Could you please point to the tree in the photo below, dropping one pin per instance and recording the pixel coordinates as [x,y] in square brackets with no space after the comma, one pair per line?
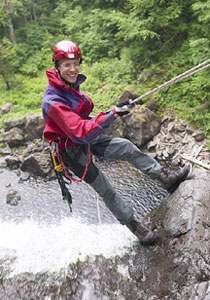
[7,54]
[8,7]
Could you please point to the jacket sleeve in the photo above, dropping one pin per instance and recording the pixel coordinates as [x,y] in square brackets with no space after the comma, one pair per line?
[75,127]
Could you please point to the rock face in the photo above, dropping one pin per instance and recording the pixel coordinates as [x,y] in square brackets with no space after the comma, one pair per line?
[139,127]
[142,125]
[178,266]
[20,131]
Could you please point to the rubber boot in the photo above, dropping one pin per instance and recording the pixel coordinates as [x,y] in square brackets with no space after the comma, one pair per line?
[170,180]
[146,236]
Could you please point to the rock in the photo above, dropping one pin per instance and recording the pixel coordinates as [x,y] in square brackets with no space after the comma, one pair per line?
[12,162]
[142,126]
[5,151]
[152,105]
[151,145]
[34,126]
[117,128]
[187,207]
[15,137]
[6,108]
[13,198]
[198,135]
[3,163]
[189,130]
[181,256]
[24,176]
[129,93]
[38,164]
[11,123]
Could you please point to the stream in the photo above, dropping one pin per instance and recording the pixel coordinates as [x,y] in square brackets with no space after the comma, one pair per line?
[49,253]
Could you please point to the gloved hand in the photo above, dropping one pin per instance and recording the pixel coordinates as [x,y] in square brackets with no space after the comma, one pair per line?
[123,107]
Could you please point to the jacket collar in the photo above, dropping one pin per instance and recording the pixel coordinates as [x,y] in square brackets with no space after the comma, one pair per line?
[56,82]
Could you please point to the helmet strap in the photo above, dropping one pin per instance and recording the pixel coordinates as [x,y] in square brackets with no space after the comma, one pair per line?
[61,78]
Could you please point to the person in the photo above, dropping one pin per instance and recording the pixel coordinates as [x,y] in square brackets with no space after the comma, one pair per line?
[66,112]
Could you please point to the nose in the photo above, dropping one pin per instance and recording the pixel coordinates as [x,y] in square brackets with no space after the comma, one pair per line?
[72,67]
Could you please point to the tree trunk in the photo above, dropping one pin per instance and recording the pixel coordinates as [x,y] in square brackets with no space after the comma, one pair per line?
[11,27]
[6,81]
[34,9]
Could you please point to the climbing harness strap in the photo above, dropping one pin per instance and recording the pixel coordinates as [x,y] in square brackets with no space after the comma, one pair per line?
[61,179]
[62,172]
[85,171]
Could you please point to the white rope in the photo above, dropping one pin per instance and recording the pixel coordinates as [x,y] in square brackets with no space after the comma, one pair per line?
[98,210]
[204,65]
[97,201]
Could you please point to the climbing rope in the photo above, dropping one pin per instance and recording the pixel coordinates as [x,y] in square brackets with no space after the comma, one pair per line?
[97,200]
[204,65]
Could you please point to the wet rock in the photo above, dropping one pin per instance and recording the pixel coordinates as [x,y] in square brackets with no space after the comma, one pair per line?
[181,259]
[24,176]
[13,198]
[12,162]
[3,163]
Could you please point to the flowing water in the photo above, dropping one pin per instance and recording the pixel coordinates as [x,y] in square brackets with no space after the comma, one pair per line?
[48,253]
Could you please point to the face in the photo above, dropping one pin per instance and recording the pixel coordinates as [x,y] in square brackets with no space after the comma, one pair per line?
[69,69]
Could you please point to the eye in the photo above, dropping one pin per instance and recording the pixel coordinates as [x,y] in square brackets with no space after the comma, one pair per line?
[67,65]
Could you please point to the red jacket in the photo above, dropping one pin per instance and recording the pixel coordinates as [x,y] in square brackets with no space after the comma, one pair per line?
[66,111]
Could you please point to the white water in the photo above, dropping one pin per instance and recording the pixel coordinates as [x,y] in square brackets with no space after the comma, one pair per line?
[43,247]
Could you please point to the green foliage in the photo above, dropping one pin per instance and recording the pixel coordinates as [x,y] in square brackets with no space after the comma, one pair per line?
[93,30]
[7,54]
[135,42]
[103,88]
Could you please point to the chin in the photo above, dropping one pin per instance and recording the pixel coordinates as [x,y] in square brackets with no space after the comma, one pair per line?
[72,80]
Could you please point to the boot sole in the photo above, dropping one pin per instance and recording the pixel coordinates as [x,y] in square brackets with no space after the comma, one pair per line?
[149,242]
[181,179]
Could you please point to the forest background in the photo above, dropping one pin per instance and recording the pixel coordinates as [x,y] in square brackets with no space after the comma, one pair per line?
[135,43]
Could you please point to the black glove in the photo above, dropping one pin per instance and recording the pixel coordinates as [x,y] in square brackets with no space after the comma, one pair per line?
[124,107]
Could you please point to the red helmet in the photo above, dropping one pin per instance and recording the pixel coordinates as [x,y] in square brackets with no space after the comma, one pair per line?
[65,50]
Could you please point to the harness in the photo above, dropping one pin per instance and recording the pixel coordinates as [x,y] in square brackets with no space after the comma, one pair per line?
[62,172]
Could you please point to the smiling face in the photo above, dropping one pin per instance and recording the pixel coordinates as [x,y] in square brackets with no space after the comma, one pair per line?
[69,69]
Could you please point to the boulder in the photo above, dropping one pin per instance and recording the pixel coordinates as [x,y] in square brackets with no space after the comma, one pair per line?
[38,164]
[117,128]
[141,126]
[6,108]
[12,123]
[13,198]
[178,266]
[12,162]
[34,126]
[198,135]
[14,137]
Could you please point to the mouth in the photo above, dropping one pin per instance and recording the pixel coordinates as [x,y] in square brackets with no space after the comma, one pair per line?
[71,77]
